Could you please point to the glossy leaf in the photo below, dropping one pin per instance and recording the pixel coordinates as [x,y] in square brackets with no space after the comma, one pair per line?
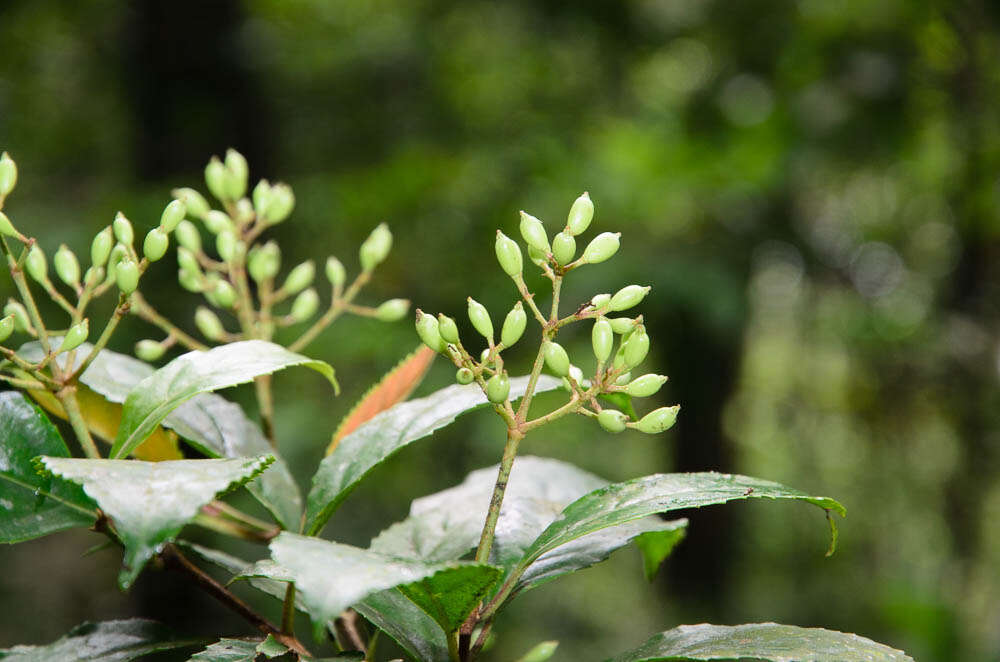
[228,650]
[768,642]
[200,372]
[110,641]
[33,505]
[388,432]
[406,623]
[149,502]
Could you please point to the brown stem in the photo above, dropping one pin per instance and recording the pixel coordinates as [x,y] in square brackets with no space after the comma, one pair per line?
[349,631]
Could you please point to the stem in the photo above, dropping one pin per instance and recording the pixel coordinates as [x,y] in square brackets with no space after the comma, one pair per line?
[348,633]
[265,403]
[27,384]
[337,306]
[67,398]
[514,437]
[224,509]
[568,408]
[529,392]
[29,302]
[230,528]
[142,308]
[529,299]
[288,610]
[120,311]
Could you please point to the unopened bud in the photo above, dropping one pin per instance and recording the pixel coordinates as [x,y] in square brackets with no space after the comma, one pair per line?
[580,215]
[335,272]
[513,325]
[243,213]
[264,262]
[261,196]
[508,254]
[602,338]
[392,310]
[6,227]
[599,301]
[534,233]
[123,229]
[22,322]
[658,420]
[447,328]
[75,336]
[237,172]
[93,275]
[622,325]
[627,297]
[427,329]
[188,236]
[195,203]
[36,265]
[305,305]
[280,205]
[300,277]
[127,275]
[563,247]
[602,247]
[6,327]
[497,388]
[224,294]
[556,358]
[66,265]
[8,175]
[100,248]
[217,221]
[537,257]
[480,318]
[155,245]
[215,178]
[462,376]
[149,350]
[645,386]
[187,261]
[636,348]
[225,245]
[172,214]
[376,247]
[208,324]
[190,280]
[612,420]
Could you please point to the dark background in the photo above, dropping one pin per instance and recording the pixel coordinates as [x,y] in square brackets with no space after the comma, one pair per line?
[810,186]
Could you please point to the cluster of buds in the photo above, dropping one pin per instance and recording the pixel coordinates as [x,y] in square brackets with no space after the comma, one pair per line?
[620,343]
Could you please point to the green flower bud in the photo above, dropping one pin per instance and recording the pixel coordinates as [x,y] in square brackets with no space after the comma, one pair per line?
[480,318]
[187,261]
[300,277]
[195,203]
[261,196]
[6,227]
[576,374]
[376,247]
[563,248]
[622,325]
[8,175]
[208,324]
[280,205]
[556,358]
[244,211]
[36,265]
[75,336]
[123,229]
[612,420]
[627,297]
[539,258]
[447,328]
[224,294]
[127,275]
[580,214]
[602,247]
[66,265]
[100,248]
[623,379]
[497,388]
[6,327]
[463,376]
[264,262]
[599,301]
[155,245]
[534,233]
[305,305]
[335,272]
[658,420]
[513,325]
[217,221]
[508,254]
[215,178]
[427,329]
[392,310]
[188,236]
[22,323]
[93,275]
[225,245]
[602,338]
[636,348]
[645,386]
[190,280]
[237,174]
[484,356]
[172,214]
[149,350]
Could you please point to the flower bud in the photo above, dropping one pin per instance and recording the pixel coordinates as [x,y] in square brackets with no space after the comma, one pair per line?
[264,262]
[563,247]
[194,202]
[612,420]
[335,272]
[576,374]
[172,214]
[427,329]
[100,248]
[6,327]
[599,301]
[188,236]
[580,215]
[480,318]
[627,297]
[244,211]
[36,265]
[622,325]
[305,305]
[8,175]
[497,388]
[224,294]
[508,254]
[149,350]
[623,379]
[22,322]
[237,173]
[123,229]
[66,265]
[658,420]
[208,324]
[225,245]
[187,261]
[376,247]
[636,348]
[300,277]
[74,337]
[6,227]
[534,233]
[261,196]
[280,205]
[93,275]
[215,178]
[190,280]
[556,358]
[155,245]
[217,221]
[602,338]
[127,275]
[392,310]
[463,376]
[513,325]
[602,247]
[447,328]
[645,386]
[537,257]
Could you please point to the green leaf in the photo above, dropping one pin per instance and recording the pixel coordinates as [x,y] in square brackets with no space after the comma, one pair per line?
[228,650]
[271,647]
[450,595]
[150,502]
[540,652]
[388,432]
[34,505]
[199,372]
[657,546]
[406,623]
[110,641]
[768,642]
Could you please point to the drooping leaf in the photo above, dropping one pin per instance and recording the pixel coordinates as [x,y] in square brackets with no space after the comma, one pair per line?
[34,505]
[110,641]
[200,372]
[228,650]
[149,502]
[765,642]
[387,433]
[392,389]
[406,623]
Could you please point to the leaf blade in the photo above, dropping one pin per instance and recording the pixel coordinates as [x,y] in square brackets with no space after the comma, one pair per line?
[109,641]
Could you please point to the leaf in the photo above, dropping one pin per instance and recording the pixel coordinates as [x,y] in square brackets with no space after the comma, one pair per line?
[406,623]
[450,596]
[540,652]
[150,502]
[656,546]
[392,389]
[199,372]
[271,647]
[768,642]
[32,505]
[110,641]
[228,650]
[388,432]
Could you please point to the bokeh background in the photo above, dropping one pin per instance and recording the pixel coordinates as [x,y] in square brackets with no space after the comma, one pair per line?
[811,187]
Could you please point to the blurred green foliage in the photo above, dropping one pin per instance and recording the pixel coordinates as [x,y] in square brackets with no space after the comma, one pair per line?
[810,186]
